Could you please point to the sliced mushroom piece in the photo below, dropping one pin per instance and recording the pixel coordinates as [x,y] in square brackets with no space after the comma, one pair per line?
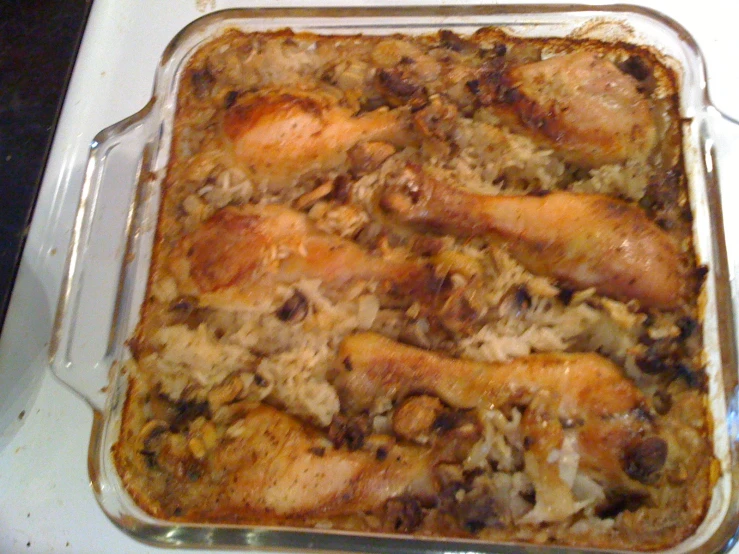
[414,419]
[366,157]
[403,514]
[644,458]
[294,309]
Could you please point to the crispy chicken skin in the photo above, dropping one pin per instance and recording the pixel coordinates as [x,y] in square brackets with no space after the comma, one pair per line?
[277,465]
[584,107]
[584,240]
[609,410]
[240,253]
[283,134]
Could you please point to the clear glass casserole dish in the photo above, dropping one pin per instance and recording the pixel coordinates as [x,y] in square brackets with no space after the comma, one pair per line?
[111,251]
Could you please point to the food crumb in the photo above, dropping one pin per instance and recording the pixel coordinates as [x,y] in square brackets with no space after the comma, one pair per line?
[205,5]
[21,415]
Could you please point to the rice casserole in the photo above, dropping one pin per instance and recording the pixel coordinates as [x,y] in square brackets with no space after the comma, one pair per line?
[437,285]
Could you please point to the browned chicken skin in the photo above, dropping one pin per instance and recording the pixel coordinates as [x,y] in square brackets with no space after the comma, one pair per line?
[283,134]
[241,253]
[277,465]
[584,107]
[585,240]
[607,409]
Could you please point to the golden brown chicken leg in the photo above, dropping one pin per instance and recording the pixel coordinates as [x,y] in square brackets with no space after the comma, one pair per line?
[609,410]
[277,466]
[281,135]
[580,104]
[240,254]
[585,240]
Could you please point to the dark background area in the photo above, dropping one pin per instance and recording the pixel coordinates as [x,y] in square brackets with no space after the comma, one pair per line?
[38,44]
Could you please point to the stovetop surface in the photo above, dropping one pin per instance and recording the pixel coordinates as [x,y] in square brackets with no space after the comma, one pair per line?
[38,45]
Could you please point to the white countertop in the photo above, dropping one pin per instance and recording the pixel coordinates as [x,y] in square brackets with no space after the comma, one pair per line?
[46,504]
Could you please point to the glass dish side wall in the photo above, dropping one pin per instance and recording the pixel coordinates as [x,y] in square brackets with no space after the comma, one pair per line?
[144,142]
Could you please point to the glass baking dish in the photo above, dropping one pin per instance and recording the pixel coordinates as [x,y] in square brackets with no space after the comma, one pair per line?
[110,253]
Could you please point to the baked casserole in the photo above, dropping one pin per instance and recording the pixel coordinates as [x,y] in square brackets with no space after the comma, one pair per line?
[436,285]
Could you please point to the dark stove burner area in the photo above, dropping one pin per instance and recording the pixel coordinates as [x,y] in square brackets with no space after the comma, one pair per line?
[38,44]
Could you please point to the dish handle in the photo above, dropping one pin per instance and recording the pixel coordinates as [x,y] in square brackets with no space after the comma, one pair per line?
[94,300]
[721,150]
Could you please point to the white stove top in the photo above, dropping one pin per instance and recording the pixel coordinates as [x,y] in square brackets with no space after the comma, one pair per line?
[46,504]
